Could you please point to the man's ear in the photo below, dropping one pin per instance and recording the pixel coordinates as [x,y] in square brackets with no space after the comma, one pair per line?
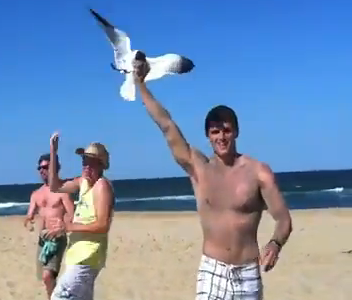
[236,133]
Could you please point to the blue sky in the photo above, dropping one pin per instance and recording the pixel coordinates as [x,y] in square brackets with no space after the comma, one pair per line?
[284,66]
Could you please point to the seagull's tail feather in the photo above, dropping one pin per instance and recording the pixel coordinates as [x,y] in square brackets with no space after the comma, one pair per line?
[168,64]
[185,65]
[128,88]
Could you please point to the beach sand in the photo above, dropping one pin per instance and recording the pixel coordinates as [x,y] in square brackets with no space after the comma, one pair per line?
[156,255]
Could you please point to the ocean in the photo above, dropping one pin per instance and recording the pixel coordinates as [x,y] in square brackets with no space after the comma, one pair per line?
[302,190]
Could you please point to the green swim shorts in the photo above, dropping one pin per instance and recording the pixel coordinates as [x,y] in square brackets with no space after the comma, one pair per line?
[54,260]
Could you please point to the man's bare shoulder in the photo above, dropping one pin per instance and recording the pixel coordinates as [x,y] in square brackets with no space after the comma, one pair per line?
[38,192]
[261,168]
[34,195]
[104,184]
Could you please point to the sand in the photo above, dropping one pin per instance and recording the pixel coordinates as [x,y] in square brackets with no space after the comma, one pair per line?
[155,256]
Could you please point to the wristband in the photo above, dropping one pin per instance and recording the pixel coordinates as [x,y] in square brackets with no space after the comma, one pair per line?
[276,243]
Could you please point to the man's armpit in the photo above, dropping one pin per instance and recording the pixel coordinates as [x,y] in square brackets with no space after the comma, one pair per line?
[198,157]
[199,160]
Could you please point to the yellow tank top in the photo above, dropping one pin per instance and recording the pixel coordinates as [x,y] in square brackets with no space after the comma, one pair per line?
[86,248]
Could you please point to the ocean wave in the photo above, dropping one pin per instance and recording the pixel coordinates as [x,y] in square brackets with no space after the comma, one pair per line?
[157,198]
[12,204]
[330,190]
[117,200]
[7,205]
[336,190]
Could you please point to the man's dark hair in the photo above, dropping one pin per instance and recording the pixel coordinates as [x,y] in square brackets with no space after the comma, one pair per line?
[221,114]
[46,157]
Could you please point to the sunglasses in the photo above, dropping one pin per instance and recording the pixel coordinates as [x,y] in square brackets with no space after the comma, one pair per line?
[90,161]
[46,167]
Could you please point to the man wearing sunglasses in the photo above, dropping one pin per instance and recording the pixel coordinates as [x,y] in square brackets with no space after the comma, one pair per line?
[51,245]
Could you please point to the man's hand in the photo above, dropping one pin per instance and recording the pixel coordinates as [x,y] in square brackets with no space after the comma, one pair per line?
[56,227]
[140,70]
[54,142]
[269,256]
[54,233]
[30,221]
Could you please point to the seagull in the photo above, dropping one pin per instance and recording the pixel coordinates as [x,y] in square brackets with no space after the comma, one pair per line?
[167,64]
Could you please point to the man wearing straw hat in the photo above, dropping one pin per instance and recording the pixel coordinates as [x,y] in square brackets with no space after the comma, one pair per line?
[88,232]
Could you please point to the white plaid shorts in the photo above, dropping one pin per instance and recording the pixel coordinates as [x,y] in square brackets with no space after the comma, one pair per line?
[76,283]
[217,280]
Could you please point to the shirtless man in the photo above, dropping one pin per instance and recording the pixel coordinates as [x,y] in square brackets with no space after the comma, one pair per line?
[232,190]
[88,231]
[48,205]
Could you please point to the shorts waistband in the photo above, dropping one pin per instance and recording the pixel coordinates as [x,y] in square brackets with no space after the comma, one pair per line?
[59,239]
[213,262]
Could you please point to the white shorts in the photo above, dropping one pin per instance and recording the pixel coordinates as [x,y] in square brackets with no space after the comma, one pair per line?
[217,280]
[76,283]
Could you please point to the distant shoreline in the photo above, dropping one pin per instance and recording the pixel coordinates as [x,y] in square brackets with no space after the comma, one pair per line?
[185,177]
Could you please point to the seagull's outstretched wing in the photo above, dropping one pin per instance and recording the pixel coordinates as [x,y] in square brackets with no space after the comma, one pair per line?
[168,64]
[118,38]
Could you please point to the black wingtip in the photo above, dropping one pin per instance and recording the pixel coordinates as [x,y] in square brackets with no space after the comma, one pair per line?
[187,65]
[100,18]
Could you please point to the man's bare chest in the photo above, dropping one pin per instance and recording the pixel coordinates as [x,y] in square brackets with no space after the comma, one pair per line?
[236,191]
[49,201]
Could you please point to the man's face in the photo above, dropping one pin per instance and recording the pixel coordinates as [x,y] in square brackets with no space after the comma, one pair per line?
[222,137]
[43,169]
[92,167]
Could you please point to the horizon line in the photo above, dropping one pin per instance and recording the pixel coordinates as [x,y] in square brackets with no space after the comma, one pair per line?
[173,177]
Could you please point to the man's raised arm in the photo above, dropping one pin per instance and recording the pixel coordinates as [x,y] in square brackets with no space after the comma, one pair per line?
[180,149]
[57,185]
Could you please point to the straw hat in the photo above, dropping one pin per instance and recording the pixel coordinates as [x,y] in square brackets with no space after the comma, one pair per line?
[96,150]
